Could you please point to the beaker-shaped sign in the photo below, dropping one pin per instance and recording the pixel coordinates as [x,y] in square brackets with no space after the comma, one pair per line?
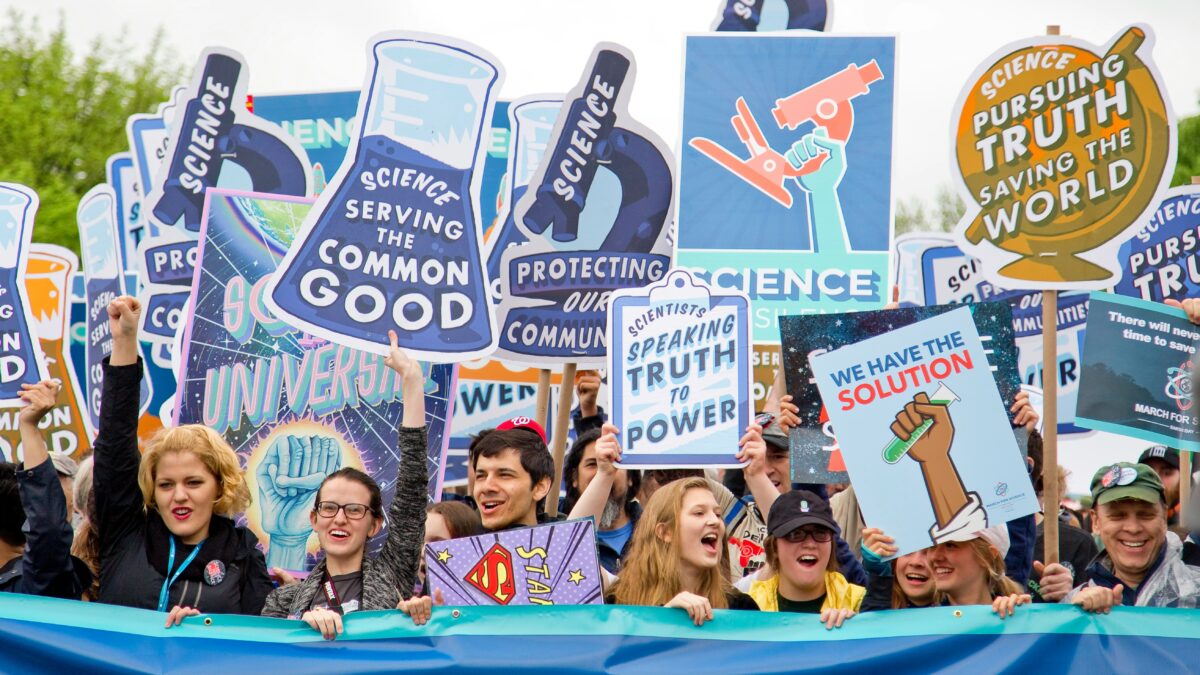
[19,362]
[394,242]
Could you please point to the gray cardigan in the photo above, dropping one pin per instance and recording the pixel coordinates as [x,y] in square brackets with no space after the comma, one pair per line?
[393,573]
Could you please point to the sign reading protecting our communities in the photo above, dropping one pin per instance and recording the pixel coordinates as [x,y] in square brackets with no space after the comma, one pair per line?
[20,356]
[1163,259]
[932,270]
[680,373]
[67,428]
[395,241]
[785,173]
[816,455]
[1062,147]
[918,414]
[596,215]
[553,564]
[294,407]
[1138,370]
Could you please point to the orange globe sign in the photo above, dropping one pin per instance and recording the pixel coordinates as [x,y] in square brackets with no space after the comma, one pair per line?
[1062,147]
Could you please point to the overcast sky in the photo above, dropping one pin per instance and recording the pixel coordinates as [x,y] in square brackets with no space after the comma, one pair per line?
[298,45]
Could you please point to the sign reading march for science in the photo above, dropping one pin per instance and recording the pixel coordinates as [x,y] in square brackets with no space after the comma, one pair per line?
[785,170]
[1137,372]
[918,415]
[552,564]
[680,374]
[1061,146]
[395,242]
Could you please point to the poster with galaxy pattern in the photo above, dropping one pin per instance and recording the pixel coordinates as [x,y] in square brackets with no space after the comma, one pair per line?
[816,457]
[552,564]
[259,382]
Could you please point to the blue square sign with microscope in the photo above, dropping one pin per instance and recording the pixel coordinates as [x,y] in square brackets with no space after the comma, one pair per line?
[787,163]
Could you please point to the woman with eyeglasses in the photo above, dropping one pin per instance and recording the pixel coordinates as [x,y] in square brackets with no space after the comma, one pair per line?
[348,511]
[799,547]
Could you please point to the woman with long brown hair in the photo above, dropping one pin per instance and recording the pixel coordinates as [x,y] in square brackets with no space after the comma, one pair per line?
[678,557]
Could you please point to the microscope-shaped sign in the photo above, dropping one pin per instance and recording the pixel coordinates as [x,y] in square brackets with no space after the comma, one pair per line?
[769,15]
[20,356]
[394,242]
[597,214]
[740,222]
[917,410]
[1062,148]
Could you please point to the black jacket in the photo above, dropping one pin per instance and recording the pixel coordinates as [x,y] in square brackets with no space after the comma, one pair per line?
[47,567]
[133,539]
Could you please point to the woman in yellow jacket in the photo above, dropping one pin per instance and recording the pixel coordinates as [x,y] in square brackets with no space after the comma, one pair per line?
[799,547]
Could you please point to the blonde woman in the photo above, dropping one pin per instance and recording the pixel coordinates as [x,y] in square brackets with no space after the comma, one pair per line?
[167,541]
[678,557]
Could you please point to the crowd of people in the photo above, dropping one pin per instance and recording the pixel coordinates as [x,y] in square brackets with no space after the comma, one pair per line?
[153,527]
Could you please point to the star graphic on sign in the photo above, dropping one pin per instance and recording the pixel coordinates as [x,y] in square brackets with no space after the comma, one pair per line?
[444,555]
[576,577]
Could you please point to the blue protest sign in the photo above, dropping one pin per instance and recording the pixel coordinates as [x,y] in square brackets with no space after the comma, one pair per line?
[1138,369]
[797,212]
[531,121]
[273,392]
[597,215]
[816,456]
[212,132]
[121,175]
[149,135]
[1163,260]
[932,270]
[168,261]
[680,373]
[394,242]
[768,15]
[321,122]
[20,357]
[552,564]
[99,238]
[918,414]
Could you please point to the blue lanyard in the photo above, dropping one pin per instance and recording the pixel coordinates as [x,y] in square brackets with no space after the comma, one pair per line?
[171,578]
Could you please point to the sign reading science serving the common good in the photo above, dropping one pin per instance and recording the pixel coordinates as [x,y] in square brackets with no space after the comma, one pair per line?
[785,172]
[1138,372]
[1062,147]
[924,433]
[597,218]
[680,374]
[553,564]
[394,241]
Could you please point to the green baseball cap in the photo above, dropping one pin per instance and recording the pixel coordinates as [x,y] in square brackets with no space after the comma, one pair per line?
[1126,480]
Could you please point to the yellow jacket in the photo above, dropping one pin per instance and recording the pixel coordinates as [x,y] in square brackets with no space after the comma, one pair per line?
[839,593]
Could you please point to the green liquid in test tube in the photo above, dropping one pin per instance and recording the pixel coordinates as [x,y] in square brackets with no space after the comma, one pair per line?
[896,450]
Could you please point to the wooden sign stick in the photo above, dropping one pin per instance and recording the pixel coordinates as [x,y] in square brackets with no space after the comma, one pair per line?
[562,423]
[1050,496]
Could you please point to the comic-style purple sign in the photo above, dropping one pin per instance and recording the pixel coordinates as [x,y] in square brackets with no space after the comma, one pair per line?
[395,241]
[552,564]
[19,362]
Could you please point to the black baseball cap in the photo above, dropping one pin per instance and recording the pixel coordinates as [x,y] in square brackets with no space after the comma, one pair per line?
[797,508]
[1162,452]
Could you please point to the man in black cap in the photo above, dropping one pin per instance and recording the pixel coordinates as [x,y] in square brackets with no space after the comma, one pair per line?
[1165,462]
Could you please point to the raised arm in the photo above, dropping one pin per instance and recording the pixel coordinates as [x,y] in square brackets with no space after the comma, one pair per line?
[118,497]
[406,517]
[608,451]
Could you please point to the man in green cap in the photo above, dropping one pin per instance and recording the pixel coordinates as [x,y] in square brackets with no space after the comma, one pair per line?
[1142,561]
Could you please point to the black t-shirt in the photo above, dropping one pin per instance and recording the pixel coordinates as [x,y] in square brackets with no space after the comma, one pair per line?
[800,606]
[349,589]
[1076,549]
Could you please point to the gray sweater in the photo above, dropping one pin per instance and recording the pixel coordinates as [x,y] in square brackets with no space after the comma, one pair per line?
[393,573]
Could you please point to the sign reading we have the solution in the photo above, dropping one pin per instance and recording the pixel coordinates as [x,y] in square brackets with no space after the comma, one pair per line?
[917,412]
[552,564]
[1137,372]
[1062,146]
[679,372]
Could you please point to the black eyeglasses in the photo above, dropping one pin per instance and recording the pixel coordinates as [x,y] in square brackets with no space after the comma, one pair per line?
[820,535]
[353,511]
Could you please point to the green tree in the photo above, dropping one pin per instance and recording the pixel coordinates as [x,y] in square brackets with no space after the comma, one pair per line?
[1187,162]
[62,114]
[913,216]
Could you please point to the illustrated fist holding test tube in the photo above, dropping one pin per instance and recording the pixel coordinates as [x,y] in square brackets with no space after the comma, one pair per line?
[925,432]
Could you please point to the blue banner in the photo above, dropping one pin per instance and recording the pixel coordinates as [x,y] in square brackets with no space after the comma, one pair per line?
[39,635]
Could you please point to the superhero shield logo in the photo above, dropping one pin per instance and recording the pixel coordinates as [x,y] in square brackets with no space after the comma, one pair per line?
[493,575]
